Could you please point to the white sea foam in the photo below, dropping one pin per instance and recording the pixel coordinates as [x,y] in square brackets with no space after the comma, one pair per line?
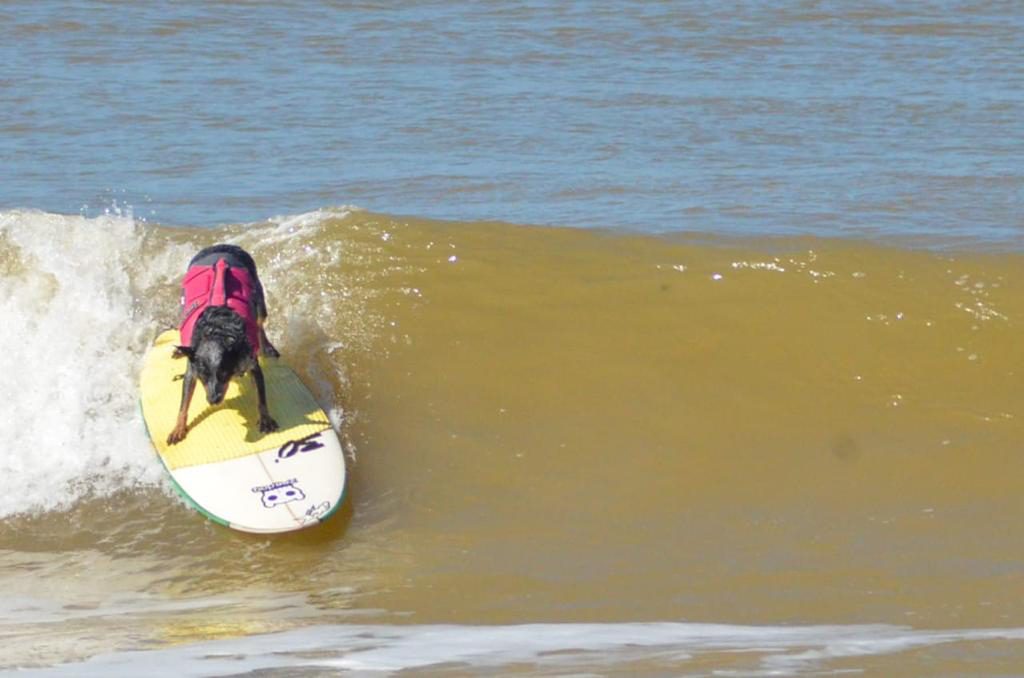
[586,649]
[72,338]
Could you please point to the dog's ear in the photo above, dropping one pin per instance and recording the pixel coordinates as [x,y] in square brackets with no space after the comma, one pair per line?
[183,351]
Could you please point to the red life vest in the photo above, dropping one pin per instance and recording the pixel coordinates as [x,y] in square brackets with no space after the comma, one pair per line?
[217,285]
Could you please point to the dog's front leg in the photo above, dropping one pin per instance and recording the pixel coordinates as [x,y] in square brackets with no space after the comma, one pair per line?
[266,348]
[188,387]
[267,423]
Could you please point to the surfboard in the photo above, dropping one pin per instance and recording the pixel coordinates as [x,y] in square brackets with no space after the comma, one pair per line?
[225,467]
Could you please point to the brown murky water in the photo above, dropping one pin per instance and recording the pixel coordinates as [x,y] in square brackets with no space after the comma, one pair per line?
[585,430]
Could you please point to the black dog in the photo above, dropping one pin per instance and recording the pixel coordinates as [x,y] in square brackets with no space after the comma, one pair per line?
[222,315]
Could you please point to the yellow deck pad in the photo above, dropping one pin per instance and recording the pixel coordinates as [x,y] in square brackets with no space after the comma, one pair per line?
[229,430]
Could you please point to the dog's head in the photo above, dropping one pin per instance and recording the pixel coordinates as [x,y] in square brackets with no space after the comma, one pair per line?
[220,350]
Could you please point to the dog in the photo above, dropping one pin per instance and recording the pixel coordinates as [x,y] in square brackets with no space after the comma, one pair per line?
[222,314]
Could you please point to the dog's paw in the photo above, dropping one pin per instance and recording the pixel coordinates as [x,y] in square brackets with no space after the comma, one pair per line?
[177,435]
[267,424]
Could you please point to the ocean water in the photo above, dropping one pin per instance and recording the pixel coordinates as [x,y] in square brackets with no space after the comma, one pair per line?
[881,118]
[663,338]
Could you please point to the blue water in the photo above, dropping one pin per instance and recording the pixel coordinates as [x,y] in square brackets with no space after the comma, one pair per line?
[885,120]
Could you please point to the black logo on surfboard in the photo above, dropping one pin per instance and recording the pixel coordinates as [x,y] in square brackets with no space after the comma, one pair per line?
[302,445]
[278,493]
